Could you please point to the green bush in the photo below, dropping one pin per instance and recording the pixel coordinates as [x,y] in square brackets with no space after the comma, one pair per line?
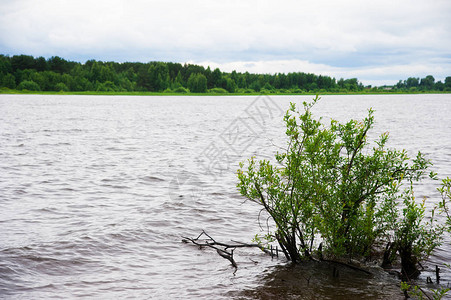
[107,86]
[246,91]
[265,91]
[28,85]
[218,91]
[297,91]
[61,87]
[330,188]
[181,90]
[445,191]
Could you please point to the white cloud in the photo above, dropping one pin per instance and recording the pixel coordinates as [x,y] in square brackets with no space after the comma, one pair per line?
[331,35]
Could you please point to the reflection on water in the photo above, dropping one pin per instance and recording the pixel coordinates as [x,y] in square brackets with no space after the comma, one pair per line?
[96,192]
[312,280]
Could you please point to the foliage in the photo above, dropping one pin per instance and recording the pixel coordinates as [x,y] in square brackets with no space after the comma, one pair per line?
[8,81]
[61,87]
[158,76]
[440,293]
[415,239]
[197,83]
[29,85]
[246,91]
[445,191]
[106,86]
[420,294]
[181,90]
[330,187]
[218,91]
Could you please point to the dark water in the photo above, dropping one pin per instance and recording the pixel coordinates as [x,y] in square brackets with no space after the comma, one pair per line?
[96,192]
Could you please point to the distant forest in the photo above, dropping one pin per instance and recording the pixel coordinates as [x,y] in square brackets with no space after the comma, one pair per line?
[25,72]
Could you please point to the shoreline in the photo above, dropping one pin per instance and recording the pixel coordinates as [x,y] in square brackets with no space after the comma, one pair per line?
[94,93]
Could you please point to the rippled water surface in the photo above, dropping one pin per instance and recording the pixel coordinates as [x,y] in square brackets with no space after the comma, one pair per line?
[96,193]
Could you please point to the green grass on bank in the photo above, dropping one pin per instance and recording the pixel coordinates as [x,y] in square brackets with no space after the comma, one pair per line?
[99,93]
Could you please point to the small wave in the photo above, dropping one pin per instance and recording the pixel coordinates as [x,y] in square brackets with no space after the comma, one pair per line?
[107,180]
[68,189]
[152,178]
[217,194]
[20,192]
[114,186]
[51,210]
[16,249]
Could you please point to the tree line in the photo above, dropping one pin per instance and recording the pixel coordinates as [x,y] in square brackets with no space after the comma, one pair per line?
[25,72]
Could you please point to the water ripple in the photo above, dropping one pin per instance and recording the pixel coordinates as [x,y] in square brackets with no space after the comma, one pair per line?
[96,192]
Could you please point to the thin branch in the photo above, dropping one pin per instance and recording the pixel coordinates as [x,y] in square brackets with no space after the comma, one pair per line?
[221,248]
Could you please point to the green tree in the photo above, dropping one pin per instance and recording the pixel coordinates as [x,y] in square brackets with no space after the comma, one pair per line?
[59,65]
[178,81]
[125,83]
[189,69]
[22,62]
[159,76]
[401,85]
[5,65]
[107,86]
[197,83]
[448,83]
[427,83]
[94,73]
[143,81]
[49,80]
[41,64]
[107,73]
[68,81]
[255,86]
[439,86]
[329,188]
[412,82]
[216,78]
[82,84]
[230,85]
[9,81]
[130,74]
[209,75]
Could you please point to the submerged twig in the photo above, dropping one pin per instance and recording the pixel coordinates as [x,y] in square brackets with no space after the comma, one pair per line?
[222,248]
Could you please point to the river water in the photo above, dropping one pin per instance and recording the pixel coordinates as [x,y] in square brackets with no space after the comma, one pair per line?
[96,193]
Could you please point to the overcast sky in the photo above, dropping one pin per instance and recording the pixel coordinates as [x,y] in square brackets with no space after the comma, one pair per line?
[377,41]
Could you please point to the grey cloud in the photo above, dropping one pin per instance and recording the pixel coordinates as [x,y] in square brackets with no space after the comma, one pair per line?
[349,34]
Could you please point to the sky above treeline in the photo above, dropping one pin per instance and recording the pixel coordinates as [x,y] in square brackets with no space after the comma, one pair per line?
[378,42]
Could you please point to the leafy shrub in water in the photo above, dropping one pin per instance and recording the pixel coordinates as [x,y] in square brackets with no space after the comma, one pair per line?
[330,188]
[445,191]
